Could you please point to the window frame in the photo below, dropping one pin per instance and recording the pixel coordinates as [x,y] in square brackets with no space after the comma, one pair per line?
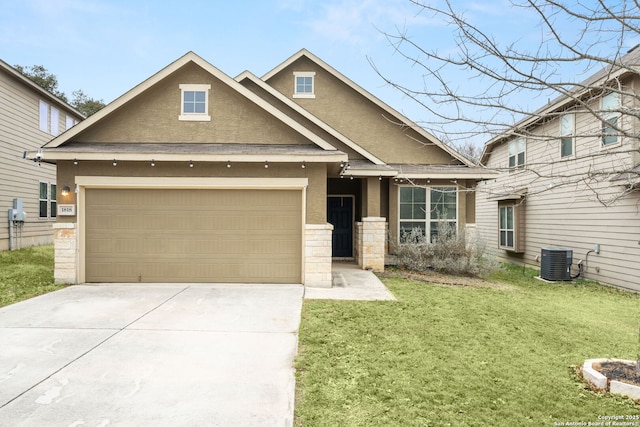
[43,202]
[517,229]
[191,116]
[520,145]
[568,134]
[53,200]
[55,121]
[610,115]
[429,221]
[304,74]
[70,122]
[43,116]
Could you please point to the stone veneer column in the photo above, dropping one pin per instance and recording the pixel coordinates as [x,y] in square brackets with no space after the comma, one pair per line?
[317,257]
[64,244]
[371,236]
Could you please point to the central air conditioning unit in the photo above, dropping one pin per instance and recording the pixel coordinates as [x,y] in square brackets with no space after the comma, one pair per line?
[556,263]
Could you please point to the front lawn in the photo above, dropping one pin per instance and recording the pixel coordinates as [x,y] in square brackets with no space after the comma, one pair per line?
[463,356]
[26,273]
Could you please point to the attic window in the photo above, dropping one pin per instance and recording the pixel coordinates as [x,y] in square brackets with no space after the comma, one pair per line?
[304,85]
[194,102]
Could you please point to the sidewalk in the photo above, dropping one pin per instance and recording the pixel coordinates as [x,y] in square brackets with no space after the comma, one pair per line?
[351,283]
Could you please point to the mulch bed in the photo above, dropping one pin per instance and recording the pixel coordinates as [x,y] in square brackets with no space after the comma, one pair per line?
[619,371]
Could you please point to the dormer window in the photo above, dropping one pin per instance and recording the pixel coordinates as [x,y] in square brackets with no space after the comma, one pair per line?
[194,102]
[304,84]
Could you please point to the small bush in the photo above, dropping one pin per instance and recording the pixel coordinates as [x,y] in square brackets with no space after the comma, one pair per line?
[449,253]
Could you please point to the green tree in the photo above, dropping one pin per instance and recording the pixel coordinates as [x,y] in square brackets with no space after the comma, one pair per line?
[49,82]
[43,78]
[86,105]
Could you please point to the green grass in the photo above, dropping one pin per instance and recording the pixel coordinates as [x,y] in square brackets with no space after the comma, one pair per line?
[463,356]
[26,273]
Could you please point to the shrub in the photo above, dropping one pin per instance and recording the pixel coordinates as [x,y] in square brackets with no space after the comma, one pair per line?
[450,253]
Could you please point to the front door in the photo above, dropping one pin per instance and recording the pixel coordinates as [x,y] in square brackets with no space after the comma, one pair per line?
[340,215]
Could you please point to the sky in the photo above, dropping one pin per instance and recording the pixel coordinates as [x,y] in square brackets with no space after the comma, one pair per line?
[106,47]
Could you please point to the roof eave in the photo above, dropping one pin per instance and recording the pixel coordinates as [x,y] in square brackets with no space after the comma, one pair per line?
[49,156]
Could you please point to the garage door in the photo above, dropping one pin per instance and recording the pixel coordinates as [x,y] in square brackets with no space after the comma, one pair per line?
[193,235]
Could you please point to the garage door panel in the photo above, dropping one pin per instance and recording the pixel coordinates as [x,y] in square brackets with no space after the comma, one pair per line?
[152,235]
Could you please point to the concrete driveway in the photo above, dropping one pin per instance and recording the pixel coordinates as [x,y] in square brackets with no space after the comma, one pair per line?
[151,355]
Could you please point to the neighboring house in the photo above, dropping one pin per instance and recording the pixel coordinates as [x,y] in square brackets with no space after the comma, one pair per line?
[29,117]
[193,176]
[562,184]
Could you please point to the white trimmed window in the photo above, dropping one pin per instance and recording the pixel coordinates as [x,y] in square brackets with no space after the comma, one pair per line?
[55,121]
[511,225]
[194,102]
[427,208]
[53,201]
[47,202]
[44,116]
[70,122]
[516,153]
[610,114]
[304,84]
[43,200]
[567,131]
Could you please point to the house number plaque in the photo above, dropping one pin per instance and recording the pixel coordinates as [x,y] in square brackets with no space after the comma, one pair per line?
[66,210]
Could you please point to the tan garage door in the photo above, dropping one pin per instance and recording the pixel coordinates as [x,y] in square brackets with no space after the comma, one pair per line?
[154,235]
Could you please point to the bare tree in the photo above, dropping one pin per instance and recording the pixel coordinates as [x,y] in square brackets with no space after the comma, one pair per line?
[579,57]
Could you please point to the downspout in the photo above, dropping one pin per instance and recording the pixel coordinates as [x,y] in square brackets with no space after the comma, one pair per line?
[10,231]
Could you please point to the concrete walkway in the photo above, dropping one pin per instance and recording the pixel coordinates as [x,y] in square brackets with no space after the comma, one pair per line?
[351,283]
[151,355]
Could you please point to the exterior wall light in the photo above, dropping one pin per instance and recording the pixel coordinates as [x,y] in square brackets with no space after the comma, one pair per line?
[190,164]
[228,164]
[75,162]
[153,162]
[65,191]
[303,165]
[266,164]
[115,162]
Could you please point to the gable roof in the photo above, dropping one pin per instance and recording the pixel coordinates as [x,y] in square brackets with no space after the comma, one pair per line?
[247,75]
[170,69]
[37,88]
[432,139]
[628,64]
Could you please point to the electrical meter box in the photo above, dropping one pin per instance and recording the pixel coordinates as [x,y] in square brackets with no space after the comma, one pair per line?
[17,213]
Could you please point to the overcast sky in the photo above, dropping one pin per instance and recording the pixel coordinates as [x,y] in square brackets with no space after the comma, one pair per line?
[106,47]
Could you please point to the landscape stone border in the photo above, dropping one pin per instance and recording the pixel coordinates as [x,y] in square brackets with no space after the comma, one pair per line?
[599,381]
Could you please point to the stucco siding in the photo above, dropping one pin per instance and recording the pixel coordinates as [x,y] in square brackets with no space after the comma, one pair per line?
[355,116]
[281,106]
[153,117]
[571,203]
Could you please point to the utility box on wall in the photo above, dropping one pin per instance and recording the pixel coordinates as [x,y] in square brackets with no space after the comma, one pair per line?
[17,213]
[555,263]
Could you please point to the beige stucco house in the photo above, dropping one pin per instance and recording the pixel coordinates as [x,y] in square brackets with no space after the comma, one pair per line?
[194,176]
[569,180]
[29,117]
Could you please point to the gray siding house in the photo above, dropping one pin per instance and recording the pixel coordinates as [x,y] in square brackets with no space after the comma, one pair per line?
[569,179]
[29,117]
